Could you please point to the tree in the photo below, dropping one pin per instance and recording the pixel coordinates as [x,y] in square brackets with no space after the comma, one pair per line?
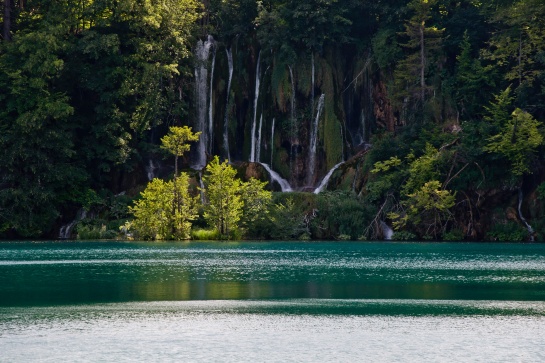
[176,142]
[517,141]
[39,172]
[256,200]
[471,80]
[423,41]
[224,207]
[165,210]
[499,111]
[152,211]
[427,210]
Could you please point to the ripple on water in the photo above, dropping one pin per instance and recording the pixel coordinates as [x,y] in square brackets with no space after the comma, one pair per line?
[296,330]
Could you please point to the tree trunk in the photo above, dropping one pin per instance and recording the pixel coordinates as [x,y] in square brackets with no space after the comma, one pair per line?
[422,63]
[520,58]
[7,20]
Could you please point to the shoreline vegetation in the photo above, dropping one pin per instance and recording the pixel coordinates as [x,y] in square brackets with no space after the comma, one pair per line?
[281,120]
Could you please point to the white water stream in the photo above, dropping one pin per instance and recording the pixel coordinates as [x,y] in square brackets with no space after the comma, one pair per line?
[326,178]
[256,98]
[202,52]
[284,184]
[314,140]
[226,121]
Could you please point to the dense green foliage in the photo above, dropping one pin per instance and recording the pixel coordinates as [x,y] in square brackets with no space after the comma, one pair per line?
[449,94]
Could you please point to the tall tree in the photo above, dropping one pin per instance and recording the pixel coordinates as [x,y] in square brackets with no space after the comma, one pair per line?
[518,141]
[224,207]
[423,42]
[472,79]
[177,142]
[165,210]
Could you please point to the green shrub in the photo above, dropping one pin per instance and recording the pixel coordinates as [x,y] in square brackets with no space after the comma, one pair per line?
[205,234]
[509,231]
[453,235]
[88,232]
[403,236]
[341,214]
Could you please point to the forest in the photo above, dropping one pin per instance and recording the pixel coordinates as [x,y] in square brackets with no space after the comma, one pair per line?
[355,119]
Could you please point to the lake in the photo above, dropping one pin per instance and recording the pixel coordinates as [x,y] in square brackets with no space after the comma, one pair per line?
[272,301]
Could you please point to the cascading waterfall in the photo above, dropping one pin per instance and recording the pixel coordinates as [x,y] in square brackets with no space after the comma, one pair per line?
[210,105]
[202,188]
[528,226]
[275,177]
[387,231]
[326,178]
[258,146]
[312,83]
[314,140]
[256,98]
[292,131]
[272,140]
[66,230]
[226,121]
[202,52]
[363,127]
[150,170]
[342,141]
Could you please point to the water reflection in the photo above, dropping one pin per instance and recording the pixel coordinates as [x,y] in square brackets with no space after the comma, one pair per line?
[69,273]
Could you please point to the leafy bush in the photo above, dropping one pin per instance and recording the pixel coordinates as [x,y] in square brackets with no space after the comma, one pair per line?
[205,234]
[88,232]
[507,232]
[341,214]
[453,235]
[403,236]
[288,216]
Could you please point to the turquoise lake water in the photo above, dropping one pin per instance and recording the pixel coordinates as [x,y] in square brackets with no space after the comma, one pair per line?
[271,301]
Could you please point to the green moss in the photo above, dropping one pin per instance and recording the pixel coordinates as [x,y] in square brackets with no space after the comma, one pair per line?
[304,75]
[281,86]
[281,162]
[331,134]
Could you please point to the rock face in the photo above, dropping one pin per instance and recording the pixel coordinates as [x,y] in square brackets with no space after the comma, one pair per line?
[301,118]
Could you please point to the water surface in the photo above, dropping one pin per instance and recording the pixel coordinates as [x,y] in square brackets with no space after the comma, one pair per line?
[265,301]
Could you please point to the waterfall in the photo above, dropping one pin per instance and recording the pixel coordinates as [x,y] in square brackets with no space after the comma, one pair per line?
[284,185]
[202,188]
[292,131]
[387,231]
[363,127]
[326,178]
[256,97]
[66,230]
[528,226]
[202,51]
[150,170]
[258,146]
[342,141]
[272,140]
[312,84]
[314,139]
[226,121]
[210,106]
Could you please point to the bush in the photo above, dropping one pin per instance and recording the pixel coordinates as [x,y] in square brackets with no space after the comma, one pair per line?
[507,232]
[403,236]
[341,214]
[205,234]
[88,232]
[453,235]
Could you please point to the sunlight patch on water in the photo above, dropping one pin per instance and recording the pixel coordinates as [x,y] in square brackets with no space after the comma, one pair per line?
[292,330]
